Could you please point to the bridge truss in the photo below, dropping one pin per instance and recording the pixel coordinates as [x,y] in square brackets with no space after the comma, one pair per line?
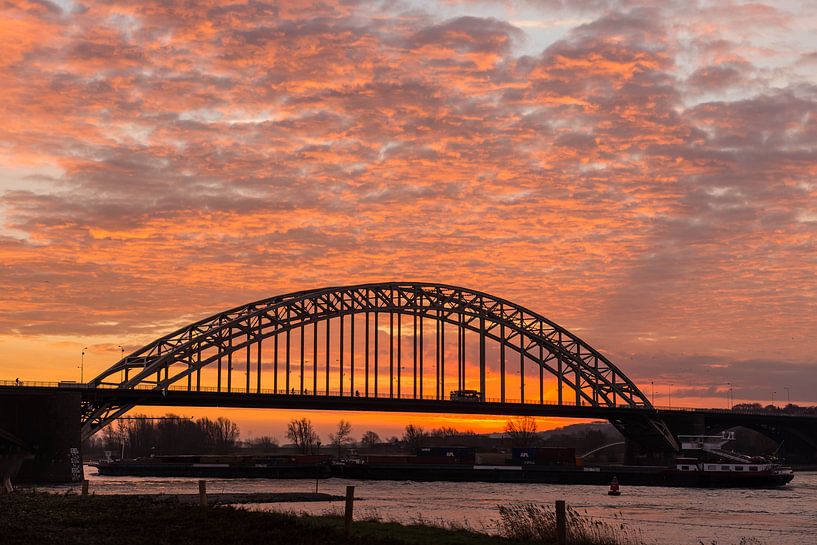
[267,341]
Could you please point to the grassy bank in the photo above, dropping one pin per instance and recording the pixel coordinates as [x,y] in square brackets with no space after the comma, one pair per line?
[129,520]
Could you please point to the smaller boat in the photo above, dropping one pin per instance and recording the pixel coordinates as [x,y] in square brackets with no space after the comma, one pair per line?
[614,491]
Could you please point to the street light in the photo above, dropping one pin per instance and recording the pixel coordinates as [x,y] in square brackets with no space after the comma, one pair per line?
[773,405]
[730,399]
[670,395]
[122,357]
[788,395]
[652,383]
[82,366]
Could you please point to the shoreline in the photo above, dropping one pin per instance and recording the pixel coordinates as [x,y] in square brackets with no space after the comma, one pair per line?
[117,519]
[231,498]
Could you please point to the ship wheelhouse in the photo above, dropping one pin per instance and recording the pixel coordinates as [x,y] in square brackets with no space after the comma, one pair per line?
[706,454]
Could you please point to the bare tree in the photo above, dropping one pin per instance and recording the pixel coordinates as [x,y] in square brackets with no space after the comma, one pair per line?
[221,433]
[112,437]
[522,431]
[414,437]
[302,434]
[265,443]
[370,439]
[342,436]
[444,432]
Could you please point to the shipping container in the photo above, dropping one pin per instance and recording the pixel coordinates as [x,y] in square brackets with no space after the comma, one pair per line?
[460,454]
[491,458]
[544,456]
[388,459]
[437,460]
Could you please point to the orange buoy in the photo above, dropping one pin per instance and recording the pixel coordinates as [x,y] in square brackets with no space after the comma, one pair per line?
[614,491]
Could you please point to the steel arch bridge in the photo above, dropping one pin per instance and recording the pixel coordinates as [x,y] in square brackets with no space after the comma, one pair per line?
[379,340]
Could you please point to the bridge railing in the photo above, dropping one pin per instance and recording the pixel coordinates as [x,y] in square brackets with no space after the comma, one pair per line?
[291,392]
[38,383]
[379,395]
[736,410]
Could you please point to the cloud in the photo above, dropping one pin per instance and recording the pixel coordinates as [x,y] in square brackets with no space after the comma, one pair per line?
[719,78]
[215,155]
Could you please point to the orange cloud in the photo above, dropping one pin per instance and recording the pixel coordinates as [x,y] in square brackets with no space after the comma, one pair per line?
[642,179]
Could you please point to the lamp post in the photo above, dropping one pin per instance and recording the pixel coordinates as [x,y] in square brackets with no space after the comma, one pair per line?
[82,366]
[774,392]
[669,395]
[652,384]
[788,395]
[730,400]
[121,357]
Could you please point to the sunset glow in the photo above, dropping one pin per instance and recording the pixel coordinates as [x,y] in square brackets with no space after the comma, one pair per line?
[644,176]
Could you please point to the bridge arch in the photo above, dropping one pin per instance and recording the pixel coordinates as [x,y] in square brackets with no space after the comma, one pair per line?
[583,375]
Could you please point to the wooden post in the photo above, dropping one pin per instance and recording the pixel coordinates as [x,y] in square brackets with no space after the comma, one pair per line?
[350,500]
[85,487]
[561,522]
[203,493]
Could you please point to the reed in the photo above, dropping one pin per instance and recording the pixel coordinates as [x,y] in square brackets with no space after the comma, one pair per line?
[537,523]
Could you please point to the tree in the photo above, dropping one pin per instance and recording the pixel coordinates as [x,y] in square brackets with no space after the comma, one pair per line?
[112,437]
[221,434]
[265,443]
[302,434]
[522,431]
[370,439]
[445,432]
[342,436]
[414,437]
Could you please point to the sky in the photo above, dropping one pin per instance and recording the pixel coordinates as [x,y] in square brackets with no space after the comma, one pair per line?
[642,173]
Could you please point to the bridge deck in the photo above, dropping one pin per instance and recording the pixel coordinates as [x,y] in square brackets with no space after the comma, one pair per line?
[179,397]
[210,398]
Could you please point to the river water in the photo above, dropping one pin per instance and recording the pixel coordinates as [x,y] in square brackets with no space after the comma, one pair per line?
[663,516]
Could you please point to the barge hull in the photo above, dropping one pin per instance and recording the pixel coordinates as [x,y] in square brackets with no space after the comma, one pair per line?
[216,471]
[626,475]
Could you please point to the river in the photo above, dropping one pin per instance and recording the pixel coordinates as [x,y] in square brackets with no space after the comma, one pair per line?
[663,516]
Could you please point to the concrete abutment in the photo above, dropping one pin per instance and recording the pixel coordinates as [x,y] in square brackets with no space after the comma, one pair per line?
[47,423]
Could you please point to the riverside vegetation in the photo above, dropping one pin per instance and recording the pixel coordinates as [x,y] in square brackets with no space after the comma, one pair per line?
[50,519]
[70,519]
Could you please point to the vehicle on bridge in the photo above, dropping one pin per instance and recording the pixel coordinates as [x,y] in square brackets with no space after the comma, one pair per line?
[466,395]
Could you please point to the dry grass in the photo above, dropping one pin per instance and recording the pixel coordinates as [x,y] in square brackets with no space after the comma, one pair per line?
[537,523]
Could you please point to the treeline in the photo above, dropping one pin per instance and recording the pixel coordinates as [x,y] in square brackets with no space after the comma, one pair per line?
[789,408]
[141,436]
[302,434]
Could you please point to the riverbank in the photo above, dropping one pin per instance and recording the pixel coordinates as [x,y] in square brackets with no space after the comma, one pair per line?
[51,519]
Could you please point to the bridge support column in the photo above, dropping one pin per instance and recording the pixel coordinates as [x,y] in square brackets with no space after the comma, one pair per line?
[638,454]
[648,441]
[49,424]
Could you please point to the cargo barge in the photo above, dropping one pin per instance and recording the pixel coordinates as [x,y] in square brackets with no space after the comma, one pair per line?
[224,466]
[704,463]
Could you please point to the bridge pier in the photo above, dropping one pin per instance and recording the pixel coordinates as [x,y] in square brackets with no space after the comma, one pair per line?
[43,430]
[638,454]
